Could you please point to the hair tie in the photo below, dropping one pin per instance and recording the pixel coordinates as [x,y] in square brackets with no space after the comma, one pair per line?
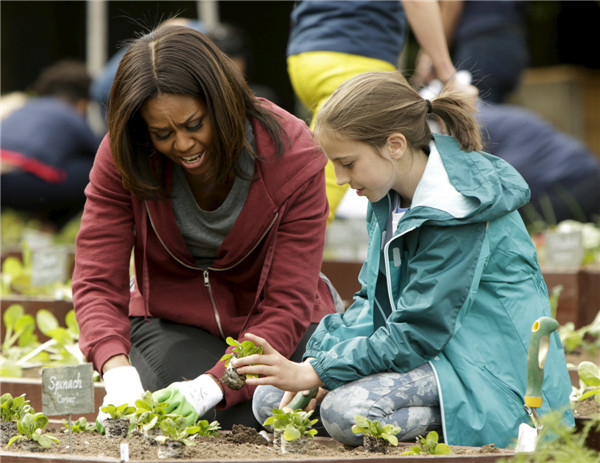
[429,106]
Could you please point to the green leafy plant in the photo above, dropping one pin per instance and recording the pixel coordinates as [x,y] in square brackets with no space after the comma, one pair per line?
[374,428]
[31,427]
[19,340]
[240,349]
[292,424]
[16,279]
[14,408]
[80,425]
[559,443]
[208,429]
[586,338]
[589,382]
[177,430]
[123,411]
[429,445]
[150,413]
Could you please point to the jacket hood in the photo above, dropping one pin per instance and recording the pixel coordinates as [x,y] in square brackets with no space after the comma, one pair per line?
[463,187]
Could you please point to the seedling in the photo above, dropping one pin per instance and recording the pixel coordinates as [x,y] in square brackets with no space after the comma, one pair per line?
[177,430]
[589,382]
[429,446]
[375,429]
[231,378]
[81,425]
[208,429]
[31,427]
[240,349]
[292,424]
[122,411]
[150,413]
[14,409]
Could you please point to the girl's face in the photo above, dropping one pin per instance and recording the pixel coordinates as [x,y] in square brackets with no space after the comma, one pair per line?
[358,164]
[180,129]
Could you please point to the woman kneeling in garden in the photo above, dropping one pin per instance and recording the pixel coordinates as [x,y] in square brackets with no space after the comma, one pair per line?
[221,197]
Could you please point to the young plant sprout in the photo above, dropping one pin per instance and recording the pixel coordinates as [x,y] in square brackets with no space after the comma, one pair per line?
[31,427]
[292,424]
[429,446]
[374,428]
[231,378]
[177,430]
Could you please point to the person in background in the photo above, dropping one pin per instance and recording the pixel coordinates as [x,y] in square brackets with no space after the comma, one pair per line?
[486,38]
[437,337]
[221,197]
[562,173]
[47,147]
[331,41]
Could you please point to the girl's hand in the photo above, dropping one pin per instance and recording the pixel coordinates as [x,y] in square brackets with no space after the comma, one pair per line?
[275,369]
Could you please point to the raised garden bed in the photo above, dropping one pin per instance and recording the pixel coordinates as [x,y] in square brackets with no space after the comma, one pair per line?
[240,446]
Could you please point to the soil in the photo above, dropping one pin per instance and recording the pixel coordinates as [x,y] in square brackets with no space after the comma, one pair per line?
[241,443]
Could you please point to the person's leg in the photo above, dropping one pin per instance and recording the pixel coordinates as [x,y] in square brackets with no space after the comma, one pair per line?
[409,400]
[164,352]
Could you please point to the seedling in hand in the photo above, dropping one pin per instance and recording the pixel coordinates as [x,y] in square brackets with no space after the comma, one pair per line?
[231,378]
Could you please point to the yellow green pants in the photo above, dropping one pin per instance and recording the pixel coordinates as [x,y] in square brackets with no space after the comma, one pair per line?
[314,76]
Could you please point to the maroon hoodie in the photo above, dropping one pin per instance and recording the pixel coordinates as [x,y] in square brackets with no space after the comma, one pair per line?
[266,276]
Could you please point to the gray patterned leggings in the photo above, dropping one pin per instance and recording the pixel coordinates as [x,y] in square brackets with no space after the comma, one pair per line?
[409,400]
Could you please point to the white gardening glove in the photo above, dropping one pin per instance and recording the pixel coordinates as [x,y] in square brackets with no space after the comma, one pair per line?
[190,399]
[122,385]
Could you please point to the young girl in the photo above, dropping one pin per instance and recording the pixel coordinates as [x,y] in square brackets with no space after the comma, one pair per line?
[437,337]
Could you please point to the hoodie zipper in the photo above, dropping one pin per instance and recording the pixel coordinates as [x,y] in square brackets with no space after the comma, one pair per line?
[205,271]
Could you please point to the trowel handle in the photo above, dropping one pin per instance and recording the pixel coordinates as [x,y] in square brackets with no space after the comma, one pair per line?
[536,358]
[300,401]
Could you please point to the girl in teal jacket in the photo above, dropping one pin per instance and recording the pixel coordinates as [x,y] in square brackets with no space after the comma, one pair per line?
[437,337]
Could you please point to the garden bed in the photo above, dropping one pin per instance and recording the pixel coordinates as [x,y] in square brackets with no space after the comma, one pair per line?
[241,445]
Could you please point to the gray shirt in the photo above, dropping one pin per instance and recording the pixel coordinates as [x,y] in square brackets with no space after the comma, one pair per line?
[204,231]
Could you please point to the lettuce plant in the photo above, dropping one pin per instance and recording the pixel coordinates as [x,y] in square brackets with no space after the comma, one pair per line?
[429,445]
[293,424]
[31,427]
[374,428]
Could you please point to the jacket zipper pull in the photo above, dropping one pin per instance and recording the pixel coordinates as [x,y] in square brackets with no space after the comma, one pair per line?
[206,282]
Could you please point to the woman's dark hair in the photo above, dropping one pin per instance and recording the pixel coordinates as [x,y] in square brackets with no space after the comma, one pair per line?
[179,60]
[67,79]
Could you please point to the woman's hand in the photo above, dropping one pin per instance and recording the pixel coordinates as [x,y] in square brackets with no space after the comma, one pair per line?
[275,369]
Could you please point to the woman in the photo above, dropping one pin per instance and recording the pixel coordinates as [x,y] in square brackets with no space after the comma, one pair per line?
[437,337]
[221,198]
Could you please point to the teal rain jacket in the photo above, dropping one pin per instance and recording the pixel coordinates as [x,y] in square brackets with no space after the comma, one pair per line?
[458,286]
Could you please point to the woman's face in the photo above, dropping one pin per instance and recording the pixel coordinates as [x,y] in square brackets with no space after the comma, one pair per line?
[180,128]
[359,165]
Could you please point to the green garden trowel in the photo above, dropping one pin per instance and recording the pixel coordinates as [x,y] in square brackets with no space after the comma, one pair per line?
[300,401]
[536,358]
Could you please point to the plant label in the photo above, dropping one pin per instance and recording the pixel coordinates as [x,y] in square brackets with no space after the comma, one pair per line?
[49,265]
[68,390]
[563,249]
